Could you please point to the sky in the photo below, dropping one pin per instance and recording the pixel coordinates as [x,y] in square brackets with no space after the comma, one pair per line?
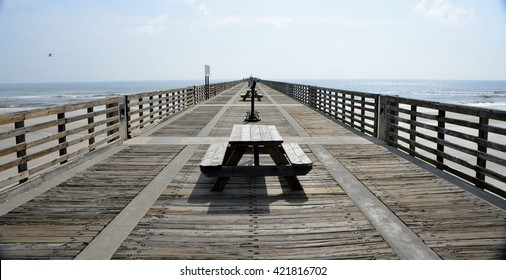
[123,40]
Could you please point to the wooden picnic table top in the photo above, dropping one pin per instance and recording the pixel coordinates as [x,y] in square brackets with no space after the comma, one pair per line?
[255,135]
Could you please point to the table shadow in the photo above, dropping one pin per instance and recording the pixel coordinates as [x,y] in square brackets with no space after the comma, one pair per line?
[247,195]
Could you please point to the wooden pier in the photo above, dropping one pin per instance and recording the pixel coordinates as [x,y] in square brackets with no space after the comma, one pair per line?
[146,198]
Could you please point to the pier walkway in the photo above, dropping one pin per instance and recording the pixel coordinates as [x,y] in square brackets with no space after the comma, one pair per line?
[147,199]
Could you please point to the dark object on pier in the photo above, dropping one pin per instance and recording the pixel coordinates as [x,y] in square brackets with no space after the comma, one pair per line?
[253,115]
[249,94]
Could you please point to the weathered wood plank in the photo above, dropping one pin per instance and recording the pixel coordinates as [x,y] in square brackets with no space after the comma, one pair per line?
[296,155]
[214,156]
[275,136]
[255,134]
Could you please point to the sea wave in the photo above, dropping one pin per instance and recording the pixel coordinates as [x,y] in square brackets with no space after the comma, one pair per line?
[25,101]
[495,105]
[462,94]
[20,97]
[79,96]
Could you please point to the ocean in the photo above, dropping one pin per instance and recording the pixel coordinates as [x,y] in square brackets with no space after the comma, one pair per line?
[14,97]
[487,94]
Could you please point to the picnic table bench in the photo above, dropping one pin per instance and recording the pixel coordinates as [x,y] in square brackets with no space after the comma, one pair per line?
[222,159]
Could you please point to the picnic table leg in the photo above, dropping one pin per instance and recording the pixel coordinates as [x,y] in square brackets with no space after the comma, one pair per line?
[232,158]
[246,95]
[279,159]
[220,184]
[294,183]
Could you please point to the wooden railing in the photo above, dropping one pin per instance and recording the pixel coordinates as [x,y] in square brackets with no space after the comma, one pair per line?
[200,94]
[356,109]
[148,108]
[42,138]
[34,141]
[467,142]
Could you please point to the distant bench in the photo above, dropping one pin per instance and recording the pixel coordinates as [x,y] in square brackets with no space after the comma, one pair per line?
[256,95]
[221,159]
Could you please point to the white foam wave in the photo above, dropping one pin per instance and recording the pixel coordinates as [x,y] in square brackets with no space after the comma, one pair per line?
[75,96]
[494,105]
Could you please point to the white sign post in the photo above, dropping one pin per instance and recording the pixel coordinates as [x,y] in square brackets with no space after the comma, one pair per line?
[207,70]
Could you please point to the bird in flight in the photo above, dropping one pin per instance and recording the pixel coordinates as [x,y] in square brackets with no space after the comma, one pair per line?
[50,55]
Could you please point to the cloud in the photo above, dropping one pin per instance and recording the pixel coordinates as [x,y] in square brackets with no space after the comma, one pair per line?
[201,8]
[217,22]
[443,11]
[278,22]
[154,27]
[204,10]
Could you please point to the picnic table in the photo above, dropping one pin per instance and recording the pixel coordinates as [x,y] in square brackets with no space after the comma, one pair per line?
[255,94]
[222,159]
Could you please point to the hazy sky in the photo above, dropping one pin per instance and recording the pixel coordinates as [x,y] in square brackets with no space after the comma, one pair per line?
[95,40]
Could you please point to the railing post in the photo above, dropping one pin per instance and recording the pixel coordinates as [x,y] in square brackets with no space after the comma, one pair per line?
[151,109]
[172,102]
[376,115]
[167,103]
[343,107]
[123,119]
[362,114]
[177,101]
[128,117]
[141,113]
[194,96]
[382,118]
[160,104]
[440,136]
[312,96]
[393,109]
[483,136]
[62,140]
[20,139]
[352,109]
[91,130]
[188,97]
[412,129]
[386,126]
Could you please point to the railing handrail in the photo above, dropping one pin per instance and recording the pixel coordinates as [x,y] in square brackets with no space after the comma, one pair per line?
[9,117]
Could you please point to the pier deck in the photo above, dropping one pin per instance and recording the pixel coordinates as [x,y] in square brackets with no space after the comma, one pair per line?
[147,199]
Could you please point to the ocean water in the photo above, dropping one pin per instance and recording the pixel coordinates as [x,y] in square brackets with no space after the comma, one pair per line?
[487,94]
[34,95]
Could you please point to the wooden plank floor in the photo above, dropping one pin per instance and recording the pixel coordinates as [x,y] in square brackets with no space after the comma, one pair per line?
[253,218]
[61,222]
